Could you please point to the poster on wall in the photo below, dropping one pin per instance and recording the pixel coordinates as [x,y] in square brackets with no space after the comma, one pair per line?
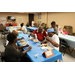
[39,15]
[3,20]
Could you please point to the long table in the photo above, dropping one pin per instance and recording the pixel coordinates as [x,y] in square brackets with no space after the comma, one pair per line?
[69,39]
[16,27]
[35,50]
[31,28]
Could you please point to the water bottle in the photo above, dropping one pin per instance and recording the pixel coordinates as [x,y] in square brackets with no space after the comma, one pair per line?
[28,35]
[35,36]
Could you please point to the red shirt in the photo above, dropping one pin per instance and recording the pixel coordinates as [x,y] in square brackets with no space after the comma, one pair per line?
[40,36]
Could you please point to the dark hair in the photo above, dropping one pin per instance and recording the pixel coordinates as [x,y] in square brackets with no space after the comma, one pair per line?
[11,37]
[64,28]
[22,24]
[53,23]
[10,24]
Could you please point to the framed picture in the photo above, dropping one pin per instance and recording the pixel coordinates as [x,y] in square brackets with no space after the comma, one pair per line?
[39,15]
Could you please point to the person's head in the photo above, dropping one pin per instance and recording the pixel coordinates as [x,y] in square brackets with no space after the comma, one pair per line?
[15,32]
[64,29]
[53,24]
[51,32]
[40,29]
[12,38]
[22,24]
[60,28]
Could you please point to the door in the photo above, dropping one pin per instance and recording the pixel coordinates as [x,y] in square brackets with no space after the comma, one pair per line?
[31,17]
[20,20]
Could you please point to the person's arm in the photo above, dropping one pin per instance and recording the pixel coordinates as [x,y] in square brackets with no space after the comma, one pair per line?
[20,47]
[27,49]
[20,38]
[63,33]
[16,53]
[34,32]
[53,43]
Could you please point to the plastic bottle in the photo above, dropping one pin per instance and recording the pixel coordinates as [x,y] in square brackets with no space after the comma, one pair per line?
[35,36]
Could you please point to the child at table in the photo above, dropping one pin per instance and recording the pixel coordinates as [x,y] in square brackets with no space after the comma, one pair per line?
[64,31]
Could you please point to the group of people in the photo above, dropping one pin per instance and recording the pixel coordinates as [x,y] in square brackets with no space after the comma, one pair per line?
[14,53]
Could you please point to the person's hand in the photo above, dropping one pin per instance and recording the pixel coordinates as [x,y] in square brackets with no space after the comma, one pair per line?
[47,38]
[22,38]
[63,33]
[42,42]
[29,48]
[34,36]
[26,45]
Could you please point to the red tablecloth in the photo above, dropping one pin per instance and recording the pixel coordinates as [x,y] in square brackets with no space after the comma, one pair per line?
[14,24]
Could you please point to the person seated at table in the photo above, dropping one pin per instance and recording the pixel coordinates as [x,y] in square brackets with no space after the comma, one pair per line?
[16,33]
[23,28]
[12,52]
[64,32]
[10,24]
[53,25]
[41,33]
[60,29]
[52,39]
[27,24]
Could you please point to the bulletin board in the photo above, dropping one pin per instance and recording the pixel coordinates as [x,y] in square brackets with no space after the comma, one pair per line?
[3,20]
[39,15]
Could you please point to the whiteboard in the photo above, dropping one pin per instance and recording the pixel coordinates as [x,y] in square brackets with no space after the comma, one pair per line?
[3,20]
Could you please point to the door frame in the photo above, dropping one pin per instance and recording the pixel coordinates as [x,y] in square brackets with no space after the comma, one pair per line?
[29,18]
[18,20]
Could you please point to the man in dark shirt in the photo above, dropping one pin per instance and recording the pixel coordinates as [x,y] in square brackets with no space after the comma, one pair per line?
[53,25]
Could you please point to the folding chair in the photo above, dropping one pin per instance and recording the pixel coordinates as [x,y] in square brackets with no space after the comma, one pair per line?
[64,46]
[2,55]
[3,33]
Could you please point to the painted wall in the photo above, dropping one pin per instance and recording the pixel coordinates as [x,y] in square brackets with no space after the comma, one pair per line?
[23,15]
[43,17]
[62,18]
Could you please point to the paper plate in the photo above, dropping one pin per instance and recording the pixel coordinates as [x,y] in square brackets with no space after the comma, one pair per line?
[21,41]
[32,38]
[24,43]
[43,45]
[35,40]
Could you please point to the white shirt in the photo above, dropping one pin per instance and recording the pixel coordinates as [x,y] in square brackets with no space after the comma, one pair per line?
[54,38]
[24,29]
[7,42]
[32,23]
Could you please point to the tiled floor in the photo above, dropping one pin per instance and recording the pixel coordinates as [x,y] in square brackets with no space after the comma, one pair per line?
[66,57]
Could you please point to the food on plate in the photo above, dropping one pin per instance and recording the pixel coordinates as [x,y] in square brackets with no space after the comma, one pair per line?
[21,41]
[35,40]
[44,45]
[49,48]
[32,38]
